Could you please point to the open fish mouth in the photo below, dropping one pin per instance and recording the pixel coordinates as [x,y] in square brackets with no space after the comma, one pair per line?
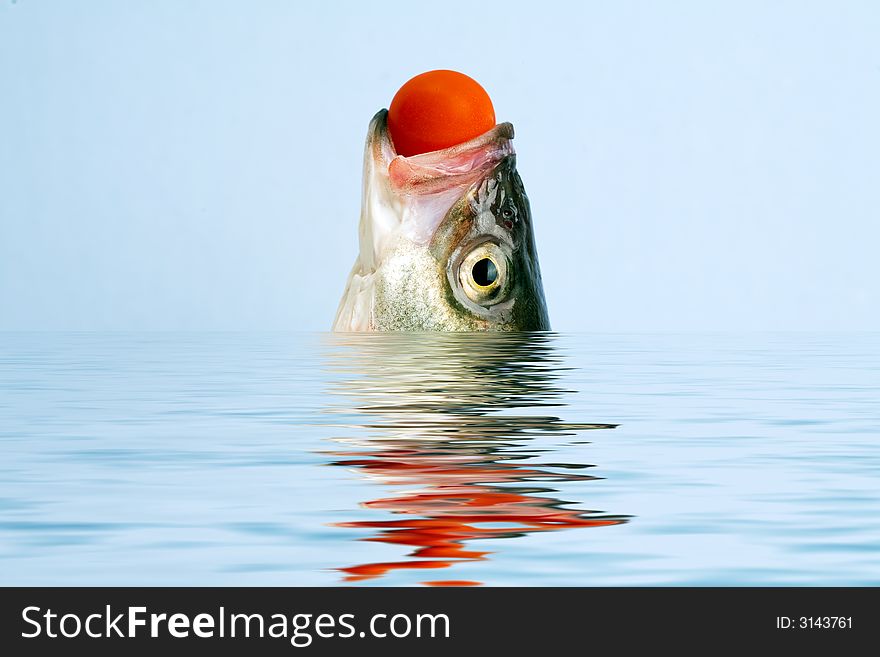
[458,166]
[429,183]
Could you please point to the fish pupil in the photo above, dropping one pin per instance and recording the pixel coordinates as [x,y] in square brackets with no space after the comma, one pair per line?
[484,272]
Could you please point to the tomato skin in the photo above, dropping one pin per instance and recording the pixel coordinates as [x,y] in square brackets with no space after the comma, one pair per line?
[436,110]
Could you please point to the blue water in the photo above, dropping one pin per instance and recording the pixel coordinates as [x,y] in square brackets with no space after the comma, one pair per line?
[314,459]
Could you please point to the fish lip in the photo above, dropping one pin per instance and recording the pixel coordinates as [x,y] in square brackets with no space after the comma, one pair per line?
[438,171]
[379,128]
[502,132]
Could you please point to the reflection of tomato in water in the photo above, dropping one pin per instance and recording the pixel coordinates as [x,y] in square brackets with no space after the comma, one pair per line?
[464,501]
[436,110]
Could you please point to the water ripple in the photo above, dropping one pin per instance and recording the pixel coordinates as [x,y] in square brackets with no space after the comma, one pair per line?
[447,460]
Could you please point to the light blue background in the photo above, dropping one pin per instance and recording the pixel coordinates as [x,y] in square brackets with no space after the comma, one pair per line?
[196,165]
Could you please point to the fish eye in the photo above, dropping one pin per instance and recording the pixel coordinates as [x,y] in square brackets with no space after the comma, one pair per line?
[482,274]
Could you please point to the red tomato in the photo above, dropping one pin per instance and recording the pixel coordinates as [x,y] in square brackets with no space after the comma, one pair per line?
[436,110]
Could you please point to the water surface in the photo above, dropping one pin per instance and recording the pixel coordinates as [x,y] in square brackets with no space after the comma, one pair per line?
[439,459]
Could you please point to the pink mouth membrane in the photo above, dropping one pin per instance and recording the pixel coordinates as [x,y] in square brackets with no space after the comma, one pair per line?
[429,184]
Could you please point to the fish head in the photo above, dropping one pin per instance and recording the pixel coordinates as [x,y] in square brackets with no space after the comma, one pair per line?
[446,241]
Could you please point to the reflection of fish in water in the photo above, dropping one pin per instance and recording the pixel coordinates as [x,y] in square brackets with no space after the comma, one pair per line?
[446,241]
[431,402]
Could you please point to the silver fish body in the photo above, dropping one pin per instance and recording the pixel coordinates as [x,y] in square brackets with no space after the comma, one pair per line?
[446,241]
